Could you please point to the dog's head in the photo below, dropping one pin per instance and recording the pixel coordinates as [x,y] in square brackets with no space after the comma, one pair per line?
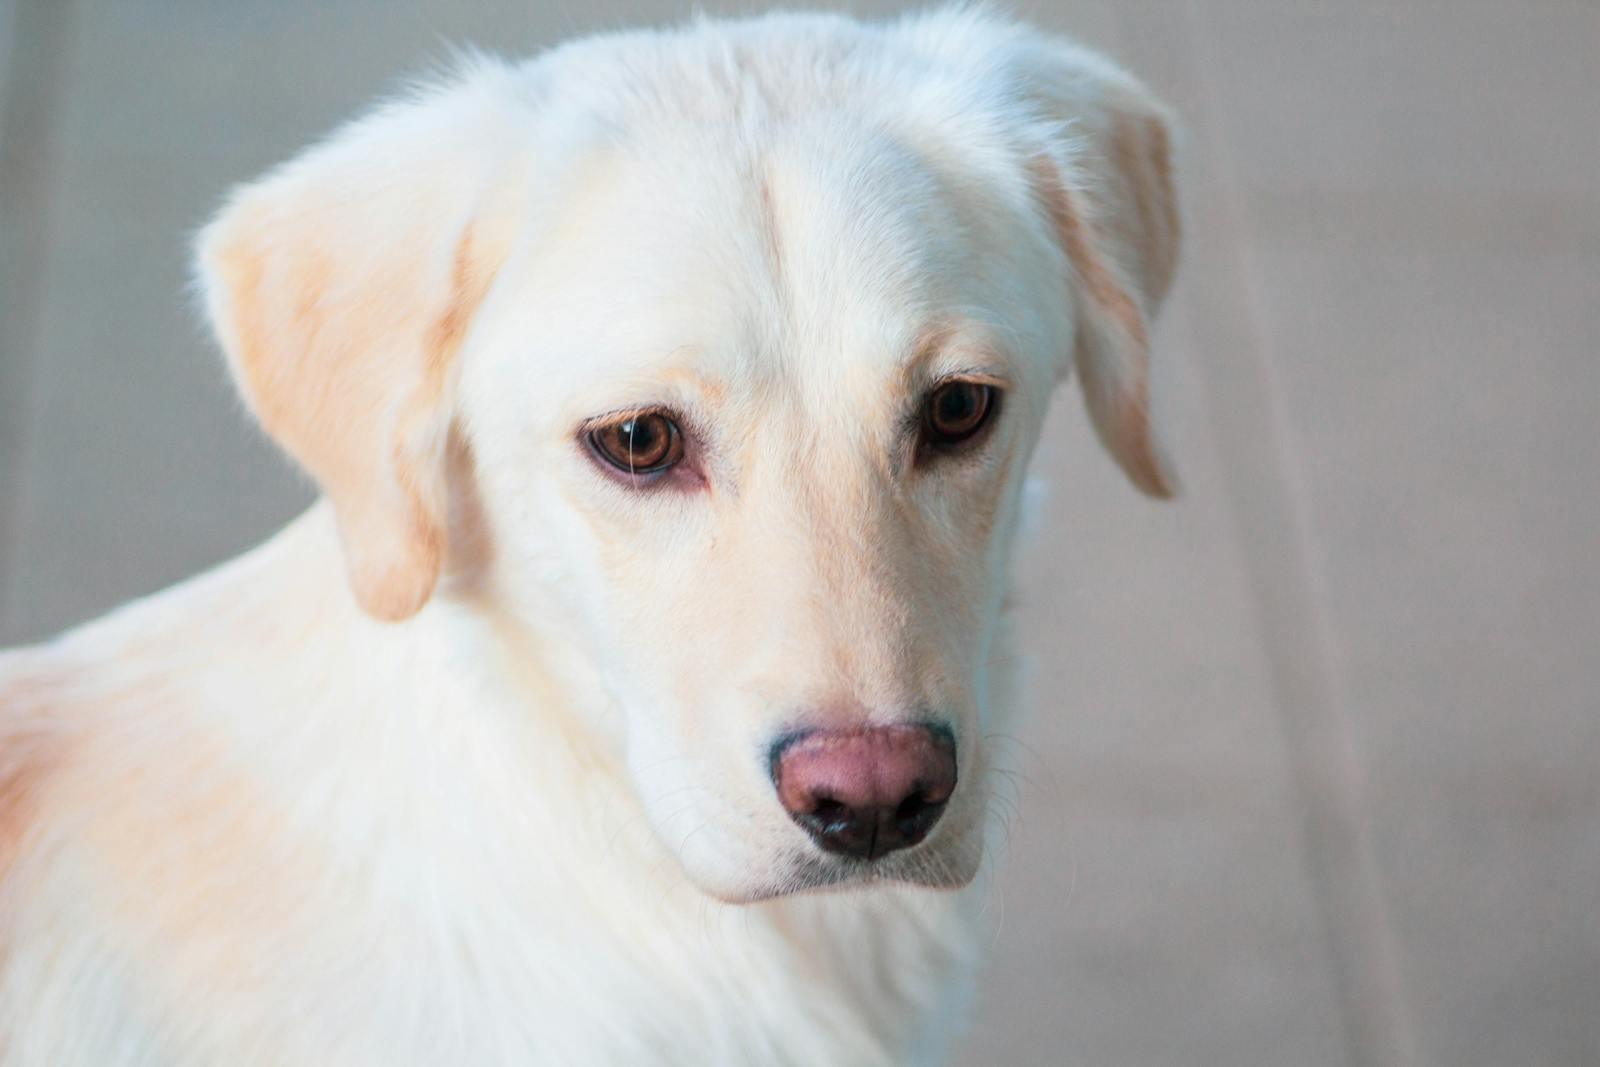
[742,336]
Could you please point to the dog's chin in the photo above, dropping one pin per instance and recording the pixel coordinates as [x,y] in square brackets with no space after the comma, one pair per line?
[819,873]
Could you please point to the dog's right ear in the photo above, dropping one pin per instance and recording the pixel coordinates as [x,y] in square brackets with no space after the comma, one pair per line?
[1107,188]
[341,287]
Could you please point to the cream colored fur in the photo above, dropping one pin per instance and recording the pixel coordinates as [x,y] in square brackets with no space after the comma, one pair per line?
[468,765]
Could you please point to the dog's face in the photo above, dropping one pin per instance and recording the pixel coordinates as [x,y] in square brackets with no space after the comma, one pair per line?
[768,426]
[746,371]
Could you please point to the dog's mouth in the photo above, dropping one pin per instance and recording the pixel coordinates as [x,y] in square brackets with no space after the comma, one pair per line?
[929,870]
[935,868]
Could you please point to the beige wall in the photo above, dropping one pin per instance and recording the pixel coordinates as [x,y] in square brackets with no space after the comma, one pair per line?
[1313,770]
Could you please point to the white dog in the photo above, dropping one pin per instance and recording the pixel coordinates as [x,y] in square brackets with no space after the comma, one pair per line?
[624,701]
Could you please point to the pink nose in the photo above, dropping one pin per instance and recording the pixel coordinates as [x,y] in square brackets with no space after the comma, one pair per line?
[869,791]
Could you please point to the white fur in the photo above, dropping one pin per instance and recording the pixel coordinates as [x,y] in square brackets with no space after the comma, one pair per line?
[244,822]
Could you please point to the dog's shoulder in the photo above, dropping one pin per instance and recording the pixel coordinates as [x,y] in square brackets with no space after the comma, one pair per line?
[98,711]
[34,687]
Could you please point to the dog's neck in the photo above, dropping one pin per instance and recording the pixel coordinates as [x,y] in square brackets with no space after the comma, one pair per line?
[412,732]
[464,642]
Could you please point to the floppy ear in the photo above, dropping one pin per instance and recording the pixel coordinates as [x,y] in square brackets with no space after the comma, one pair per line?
[1106,185]
[341,286]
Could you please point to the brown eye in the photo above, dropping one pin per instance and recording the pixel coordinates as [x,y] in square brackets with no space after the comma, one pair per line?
[639,444]
[955,411]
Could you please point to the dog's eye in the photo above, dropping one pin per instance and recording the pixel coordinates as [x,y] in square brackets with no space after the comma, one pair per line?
[639,444]
[955,412]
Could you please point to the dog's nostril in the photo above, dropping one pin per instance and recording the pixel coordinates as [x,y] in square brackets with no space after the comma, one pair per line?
[866,792]
[911,807]
[830,812]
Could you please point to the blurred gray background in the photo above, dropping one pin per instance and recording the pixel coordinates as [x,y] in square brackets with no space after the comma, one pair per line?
[1312,774]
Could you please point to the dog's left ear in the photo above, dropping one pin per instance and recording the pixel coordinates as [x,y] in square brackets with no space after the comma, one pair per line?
[341,286]
[1105,182]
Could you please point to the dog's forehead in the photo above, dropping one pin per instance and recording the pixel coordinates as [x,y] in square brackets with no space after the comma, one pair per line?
[817,254]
